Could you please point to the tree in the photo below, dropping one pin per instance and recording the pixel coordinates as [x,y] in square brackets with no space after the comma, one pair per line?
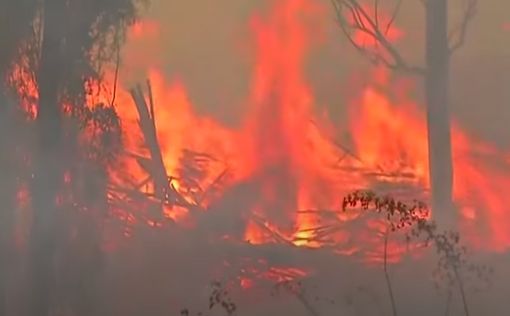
[65,45]
[440,44]
[15,17]
[15,24]
[7,193]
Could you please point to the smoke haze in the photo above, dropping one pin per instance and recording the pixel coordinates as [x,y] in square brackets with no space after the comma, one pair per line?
[237,160]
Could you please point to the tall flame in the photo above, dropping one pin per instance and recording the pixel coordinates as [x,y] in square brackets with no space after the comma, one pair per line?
[285,153]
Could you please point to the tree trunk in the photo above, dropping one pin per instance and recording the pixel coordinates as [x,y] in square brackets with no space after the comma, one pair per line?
[438,116]
[7,193]
[48,173]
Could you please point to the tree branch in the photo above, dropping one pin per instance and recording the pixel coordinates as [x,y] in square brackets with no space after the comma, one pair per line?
[364,23]
[387,276]
[460,31]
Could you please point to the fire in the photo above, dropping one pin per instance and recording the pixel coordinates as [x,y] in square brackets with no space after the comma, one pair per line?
[364,37]
[281,176]
[26,87]
[144,29]
[278,124]
[285,154]
[391,134]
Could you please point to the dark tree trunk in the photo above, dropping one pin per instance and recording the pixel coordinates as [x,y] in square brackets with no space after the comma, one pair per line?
[15,24]
[438,116]
[48,172]
[7,193]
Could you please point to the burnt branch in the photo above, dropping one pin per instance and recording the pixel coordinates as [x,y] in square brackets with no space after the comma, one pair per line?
[164,190]
[457,36]
[353,18]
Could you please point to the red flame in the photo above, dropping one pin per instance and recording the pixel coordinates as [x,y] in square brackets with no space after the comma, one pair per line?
[285,153]
[391,133]
[365,29]
[285,150]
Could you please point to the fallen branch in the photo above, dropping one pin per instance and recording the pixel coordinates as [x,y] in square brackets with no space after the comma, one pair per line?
[163,190]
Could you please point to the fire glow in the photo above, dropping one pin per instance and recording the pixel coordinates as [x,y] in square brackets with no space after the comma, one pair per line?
[281,177]
[287,158]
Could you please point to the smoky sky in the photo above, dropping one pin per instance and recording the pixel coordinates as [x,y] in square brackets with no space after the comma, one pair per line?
[206,44]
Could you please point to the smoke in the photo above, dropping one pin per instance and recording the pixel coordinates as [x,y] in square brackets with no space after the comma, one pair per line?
[208,81]
[355,289]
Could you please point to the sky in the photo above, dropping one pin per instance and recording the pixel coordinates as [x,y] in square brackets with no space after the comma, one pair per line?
[206,45]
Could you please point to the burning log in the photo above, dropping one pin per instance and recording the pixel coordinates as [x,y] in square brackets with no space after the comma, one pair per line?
[163,190]
[148,127]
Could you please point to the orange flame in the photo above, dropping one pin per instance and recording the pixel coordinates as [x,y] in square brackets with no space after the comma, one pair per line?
[392,135]
[287,153]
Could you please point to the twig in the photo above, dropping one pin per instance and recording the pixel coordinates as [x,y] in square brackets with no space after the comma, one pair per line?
[387,276]
[393,17]
[462,28]
[307,305]
[347,152]
[215,182]
[151,104]
[296,290]
[279,238]
[363,22]
[448,303]
[116,78]
[460,283]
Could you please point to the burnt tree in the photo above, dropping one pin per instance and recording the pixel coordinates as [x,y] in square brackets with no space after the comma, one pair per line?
[48,160]
[63,45]
[437,58]
[15,18]
[7,204]
[440,43]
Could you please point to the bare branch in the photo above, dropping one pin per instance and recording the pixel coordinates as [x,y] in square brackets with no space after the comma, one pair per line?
[164,190]
[384,53]
[460,31]
[376,12]
[393,17]
[116,78]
